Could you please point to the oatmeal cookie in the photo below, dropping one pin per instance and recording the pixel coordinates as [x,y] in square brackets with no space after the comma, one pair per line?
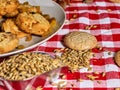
[8,42]
[12,14]
[117,58]
[26,7]
[62,3]
[8,6]
[9,26]
[80,40]
[33,23]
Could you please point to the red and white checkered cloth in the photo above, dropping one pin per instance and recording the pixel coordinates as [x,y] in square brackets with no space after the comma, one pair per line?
[105,17]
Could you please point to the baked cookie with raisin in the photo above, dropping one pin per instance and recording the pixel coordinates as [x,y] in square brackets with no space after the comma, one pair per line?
[8,6]
[33,23]
[9,26]
[26,7]
[8,42]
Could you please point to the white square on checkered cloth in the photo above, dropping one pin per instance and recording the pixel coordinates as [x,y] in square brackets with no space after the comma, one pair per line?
[63,32]
[113,83]
[84,20]
[107,44]
[106,32]
[100,4]
[111,67]
[104,20]
[87,84]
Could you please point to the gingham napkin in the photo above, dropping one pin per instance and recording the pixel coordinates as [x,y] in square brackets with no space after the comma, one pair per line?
[103,17]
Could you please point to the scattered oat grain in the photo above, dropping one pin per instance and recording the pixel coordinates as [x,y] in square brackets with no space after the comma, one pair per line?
[75,10]
[80,80]
[88,1]
[109,10]
[103,74]
[96,72]
[97,11]
[61,82]
[75,16]
[89,69]
[54,84]
[72,19]
[99,47]
[73,85]
[63,76]
[39,88]
[91,77]
[87,28]
[94,26]
[93,54]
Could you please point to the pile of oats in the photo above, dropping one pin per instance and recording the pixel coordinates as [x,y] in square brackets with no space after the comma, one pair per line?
[76,59]
[27,65]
